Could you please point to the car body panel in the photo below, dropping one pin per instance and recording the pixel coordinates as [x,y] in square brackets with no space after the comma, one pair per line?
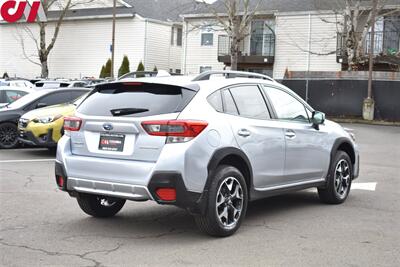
[40,130]
[275,161]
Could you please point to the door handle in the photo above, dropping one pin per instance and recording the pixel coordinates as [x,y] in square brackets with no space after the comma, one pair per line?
[290,134]
[244,132]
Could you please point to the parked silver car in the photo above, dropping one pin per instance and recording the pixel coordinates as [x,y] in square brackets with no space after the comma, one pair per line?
[208,144]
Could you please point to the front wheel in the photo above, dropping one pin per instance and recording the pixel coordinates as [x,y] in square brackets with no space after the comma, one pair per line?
[8,135]
[227,203]
[339,180]
[100,206]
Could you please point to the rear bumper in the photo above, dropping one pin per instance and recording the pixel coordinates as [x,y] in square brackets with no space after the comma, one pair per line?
[191,201]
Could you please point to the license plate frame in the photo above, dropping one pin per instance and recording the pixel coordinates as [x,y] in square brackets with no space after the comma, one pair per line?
[112,142]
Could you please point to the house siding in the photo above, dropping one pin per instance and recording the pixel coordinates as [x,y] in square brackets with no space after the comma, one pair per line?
[159,51]
[82,47]
[195,54]
[293,42]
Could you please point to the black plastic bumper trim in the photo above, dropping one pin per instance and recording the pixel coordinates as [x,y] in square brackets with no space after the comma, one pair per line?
[191,201]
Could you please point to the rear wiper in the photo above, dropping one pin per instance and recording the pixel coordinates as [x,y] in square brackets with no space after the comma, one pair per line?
[127,111]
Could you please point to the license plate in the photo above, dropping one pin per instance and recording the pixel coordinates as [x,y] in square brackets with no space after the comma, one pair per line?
[112,142]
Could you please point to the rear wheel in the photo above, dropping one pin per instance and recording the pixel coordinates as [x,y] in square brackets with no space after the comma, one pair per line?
[339,180]
[227,203]
[100,206]
[8,135]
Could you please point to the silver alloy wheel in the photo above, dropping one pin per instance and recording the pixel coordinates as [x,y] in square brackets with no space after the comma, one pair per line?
[229,202]
[342,178]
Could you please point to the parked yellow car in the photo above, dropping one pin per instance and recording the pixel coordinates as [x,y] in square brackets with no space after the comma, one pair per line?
[44,127]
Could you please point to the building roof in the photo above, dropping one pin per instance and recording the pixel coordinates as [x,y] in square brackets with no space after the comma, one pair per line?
[163,10]
[283,6]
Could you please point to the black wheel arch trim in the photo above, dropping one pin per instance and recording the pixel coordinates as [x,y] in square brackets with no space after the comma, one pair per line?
[339,142]
[222,153]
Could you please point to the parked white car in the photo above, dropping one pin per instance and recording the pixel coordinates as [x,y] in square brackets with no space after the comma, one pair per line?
[9,94]
[17,83]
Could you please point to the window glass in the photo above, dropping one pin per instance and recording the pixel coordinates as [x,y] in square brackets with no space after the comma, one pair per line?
[250,102]
[229,104]
[55,98]
[178,71]
[215,100]
[179,37]
[204,68]
[172,35]
[12,96]
[207,38]
[136,100]
[287,107]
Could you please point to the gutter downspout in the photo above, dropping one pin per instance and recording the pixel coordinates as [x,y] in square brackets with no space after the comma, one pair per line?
[308,55]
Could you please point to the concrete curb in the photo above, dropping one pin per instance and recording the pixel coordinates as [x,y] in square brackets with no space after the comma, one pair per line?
[361,121]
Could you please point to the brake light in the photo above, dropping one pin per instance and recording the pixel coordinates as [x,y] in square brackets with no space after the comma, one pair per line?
[72,124]
[177,131]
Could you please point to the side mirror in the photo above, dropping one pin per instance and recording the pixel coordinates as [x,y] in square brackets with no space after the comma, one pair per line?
[317,119]
[41,105]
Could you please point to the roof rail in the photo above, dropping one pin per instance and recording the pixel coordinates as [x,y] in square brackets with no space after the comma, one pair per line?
[231,74]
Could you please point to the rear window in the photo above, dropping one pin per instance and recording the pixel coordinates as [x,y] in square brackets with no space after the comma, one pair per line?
[137,100]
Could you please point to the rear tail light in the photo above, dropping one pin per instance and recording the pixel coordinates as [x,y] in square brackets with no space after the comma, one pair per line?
[177,131]
[72,124]
[166,194]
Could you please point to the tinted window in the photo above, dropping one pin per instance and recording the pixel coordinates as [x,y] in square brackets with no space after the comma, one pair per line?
[55,98]
[136,100]
[229,104]
[215,101]
[77,93]
[12,96]
[286,106]
[250,102]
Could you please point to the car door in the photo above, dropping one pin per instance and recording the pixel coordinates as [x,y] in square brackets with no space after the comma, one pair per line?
[307,153]
[258,137]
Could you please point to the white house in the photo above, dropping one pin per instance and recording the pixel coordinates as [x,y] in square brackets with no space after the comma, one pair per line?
[146,30]
[285,35]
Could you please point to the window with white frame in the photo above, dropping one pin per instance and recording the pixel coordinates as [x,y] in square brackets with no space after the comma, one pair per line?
[207,39]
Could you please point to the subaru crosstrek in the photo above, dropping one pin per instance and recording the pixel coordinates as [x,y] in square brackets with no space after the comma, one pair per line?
[207,144]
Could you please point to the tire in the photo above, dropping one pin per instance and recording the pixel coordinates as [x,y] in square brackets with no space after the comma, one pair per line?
[100,206]
[338,181]
[8,135]
[232,204]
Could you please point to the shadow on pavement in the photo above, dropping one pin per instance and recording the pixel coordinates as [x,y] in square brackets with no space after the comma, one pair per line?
[155,221]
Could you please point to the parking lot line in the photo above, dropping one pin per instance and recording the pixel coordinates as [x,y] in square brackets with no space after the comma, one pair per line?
[364,186]
[26,160]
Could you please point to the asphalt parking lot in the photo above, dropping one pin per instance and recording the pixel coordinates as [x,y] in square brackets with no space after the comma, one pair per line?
[43,226]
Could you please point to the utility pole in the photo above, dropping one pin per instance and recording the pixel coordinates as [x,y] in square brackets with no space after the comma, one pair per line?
[113,39]
[372,47]
[369,104]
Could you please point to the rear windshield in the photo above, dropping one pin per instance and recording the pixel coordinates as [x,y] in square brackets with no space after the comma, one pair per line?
[136,100]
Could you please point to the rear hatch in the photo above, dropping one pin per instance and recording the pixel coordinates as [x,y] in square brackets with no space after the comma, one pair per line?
[112,117]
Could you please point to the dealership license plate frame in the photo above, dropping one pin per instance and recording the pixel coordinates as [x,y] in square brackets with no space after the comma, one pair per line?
[112,142]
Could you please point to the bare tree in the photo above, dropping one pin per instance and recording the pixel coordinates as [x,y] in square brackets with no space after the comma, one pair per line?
[355,26]
[234,17]
[44,49]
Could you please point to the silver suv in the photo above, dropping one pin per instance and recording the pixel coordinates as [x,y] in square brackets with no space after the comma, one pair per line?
[208,144]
